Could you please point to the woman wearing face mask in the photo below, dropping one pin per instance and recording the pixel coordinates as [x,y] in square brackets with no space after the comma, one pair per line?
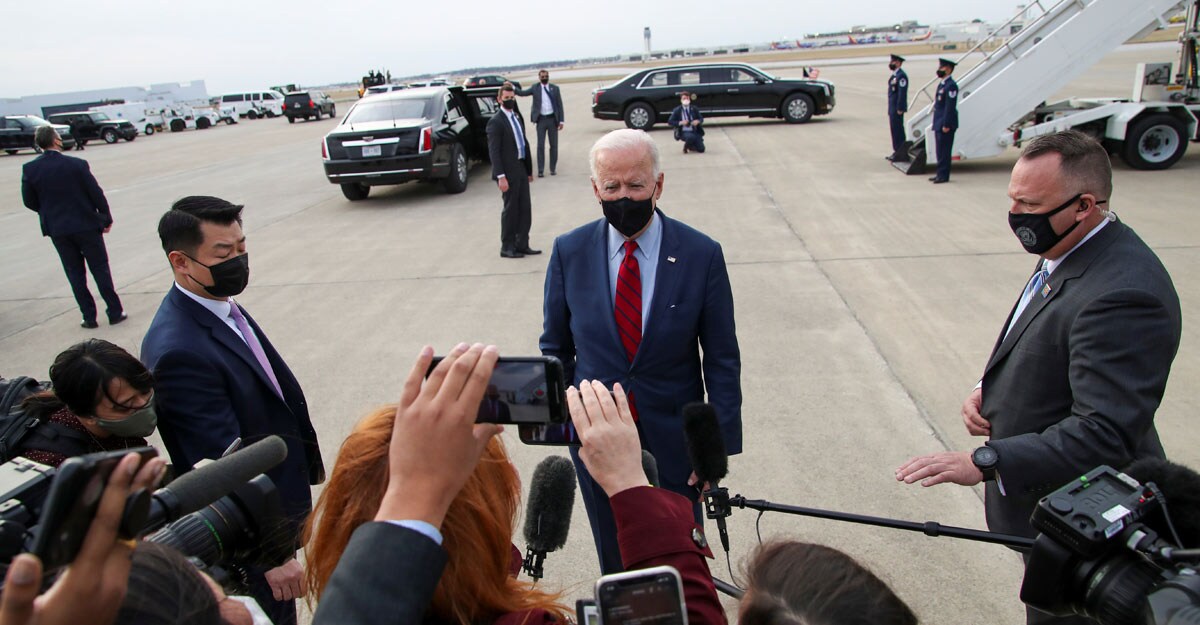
[102,400]
[686,120]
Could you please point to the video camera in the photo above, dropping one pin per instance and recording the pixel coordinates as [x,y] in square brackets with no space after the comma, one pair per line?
[1096,555]
[224,511]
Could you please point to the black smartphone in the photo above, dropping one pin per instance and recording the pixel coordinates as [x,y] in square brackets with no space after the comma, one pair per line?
[651,596]
[72,502]
[526,390]
[585,612]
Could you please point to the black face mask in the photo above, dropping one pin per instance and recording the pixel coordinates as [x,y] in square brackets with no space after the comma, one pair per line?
[1034,230]
[509,104]
[941,73]
[628,216]
[545,80]
[229,276]
[892,66]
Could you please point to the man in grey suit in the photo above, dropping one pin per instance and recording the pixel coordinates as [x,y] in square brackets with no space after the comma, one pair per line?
[513,173]
[547,113]
[1080,368]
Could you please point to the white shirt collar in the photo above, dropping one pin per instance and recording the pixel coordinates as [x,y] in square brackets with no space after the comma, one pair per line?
[1050,265]
[220,308]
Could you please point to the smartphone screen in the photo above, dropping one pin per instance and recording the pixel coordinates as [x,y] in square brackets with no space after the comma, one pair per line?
[548,434]
[647,597]
[72,502]
[585,612]
[527,391]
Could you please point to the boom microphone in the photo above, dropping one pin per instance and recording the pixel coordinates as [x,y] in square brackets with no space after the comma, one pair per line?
[1180,488]
[201,486]
[710,461]
[548,513]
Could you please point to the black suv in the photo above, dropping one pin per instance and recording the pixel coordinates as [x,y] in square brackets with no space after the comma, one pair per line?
[722,90]
[87,125]
[16,133]
[429,133]
[307,104]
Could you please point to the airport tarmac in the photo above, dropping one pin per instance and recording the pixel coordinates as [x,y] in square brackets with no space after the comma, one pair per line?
[867,302]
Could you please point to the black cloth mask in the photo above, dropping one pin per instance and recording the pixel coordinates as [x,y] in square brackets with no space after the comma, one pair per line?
[628,216]
[545,81]
[230,277]
[1034,230]
[509,104]
[892,66]
[941,73]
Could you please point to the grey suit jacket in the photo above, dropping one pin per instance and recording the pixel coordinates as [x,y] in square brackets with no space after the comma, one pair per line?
[1077,381]
[387,574]
[538,92]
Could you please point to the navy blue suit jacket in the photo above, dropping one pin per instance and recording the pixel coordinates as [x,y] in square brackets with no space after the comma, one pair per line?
[63,192]
[898,93]
[945,106]
[209,389]
[691,309]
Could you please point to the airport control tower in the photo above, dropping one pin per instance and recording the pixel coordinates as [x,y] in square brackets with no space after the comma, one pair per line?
[646,36]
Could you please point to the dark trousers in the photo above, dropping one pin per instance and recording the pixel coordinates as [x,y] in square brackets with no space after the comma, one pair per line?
[604,528]
[76,249]
[944,142]
[516,217]
[898,148]
[692,140]
[547,125]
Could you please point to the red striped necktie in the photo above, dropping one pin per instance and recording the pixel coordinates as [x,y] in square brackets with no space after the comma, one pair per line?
[628,307]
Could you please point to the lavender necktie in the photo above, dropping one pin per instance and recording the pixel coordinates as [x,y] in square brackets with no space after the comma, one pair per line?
[239,320]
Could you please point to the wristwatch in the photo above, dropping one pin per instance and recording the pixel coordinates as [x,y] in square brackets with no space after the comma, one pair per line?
[985,459]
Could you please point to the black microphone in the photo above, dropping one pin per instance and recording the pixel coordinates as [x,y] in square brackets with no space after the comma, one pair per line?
[710,461]
[650,468]
[201,486]
[1180,488]
[548,513]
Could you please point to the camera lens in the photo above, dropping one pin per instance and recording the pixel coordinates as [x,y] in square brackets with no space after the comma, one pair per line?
[208,535]
[1114,590]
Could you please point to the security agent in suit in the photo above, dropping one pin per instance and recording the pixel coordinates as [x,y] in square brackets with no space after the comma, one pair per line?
[547,113]
[897,107]
[218,377]
[513,172]
[945,119]
[74,213]
[686,120]
[1080,368]
[686,305]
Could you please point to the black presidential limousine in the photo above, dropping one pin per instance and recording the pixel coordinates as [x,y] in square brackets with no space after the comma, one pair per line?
[722,90]
[427,133]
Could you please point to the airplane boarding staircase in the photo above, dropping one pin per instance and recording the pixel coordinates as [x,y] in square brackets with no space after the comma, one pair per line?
[1054,47]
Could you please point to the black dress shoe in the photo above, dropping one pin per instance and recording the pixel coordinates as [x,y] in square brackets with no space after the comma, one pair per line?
[511,254]
[940,180]
[89,325]
[932,178]
[112,321]
[541,175]
[528,251]
[553,173]
[889,157]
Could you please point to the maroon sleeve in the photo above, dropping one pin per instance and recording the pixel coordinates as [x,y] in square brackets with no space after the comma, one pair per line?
[655,527]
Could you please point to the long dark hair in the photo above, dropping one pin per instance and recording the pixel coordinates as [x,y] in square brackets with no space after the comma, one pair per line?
[82,374]
[790,583]
[166,589]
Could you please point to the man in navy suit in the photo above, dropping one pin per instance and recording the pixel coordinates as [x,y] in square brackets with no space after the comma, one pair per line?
[945,119]
[74,214]
[547,113]
[897,107]
[633,298]
[218,378]
[513,172]
[686,120]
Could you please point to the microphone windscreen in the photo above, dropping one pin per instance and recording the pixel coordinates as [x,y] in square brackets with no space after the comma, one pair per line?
[201,486]
[650,468]
[551,499]
[1180,487]
[705,445]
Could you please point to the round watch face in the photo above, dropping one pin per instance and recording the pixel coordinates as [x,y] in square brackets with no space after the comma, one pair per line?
[984,457]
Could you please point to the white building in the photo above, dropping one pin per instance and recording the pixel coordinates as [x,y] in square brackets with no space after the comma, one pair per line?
[163,94]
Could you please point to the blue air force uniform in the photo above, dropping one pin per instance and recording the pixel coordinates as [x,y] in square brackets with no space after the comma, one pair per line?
[897,107]
[945,115]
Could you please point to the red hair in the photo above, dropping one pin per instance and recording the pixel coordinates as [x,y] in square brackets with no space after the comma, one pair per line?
[477,531]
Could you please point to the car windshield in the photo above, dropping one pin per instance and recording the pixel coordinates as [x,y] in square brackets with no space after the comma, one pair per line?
[99,117]
[389,109]
[37,121]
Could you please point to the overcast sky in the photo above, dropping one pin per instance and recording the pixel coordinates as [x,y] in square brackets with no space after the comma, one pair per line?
[250,45]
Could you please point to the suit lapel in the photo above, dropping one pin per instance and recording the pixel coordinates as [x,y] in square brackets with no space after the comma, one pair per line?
[666,280]
[1073,267]
[600,274]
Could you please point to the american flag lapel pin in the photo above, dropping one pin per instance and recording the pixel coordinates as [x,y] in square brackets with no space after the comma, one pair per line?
[1046,291]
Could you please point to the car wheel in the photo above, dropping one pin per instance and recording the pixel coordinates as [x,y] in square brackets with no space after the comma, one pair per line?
[797,108]
[203,123]
[291,120]
[131,137]
[229,121]
[355,191]
[1155,142]
[109,135]
[253,114]
[456,182]
[639,116]
[11,152]
[270,114]
[149,129]
[177,125]
[333,111]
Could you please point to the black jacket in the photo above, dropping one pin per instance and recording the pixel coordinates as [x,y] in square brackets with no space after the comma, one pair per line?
[63,192]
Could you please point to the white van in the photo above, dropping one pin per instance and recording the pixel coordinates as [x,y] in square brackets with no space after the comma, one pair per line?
[254,104]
